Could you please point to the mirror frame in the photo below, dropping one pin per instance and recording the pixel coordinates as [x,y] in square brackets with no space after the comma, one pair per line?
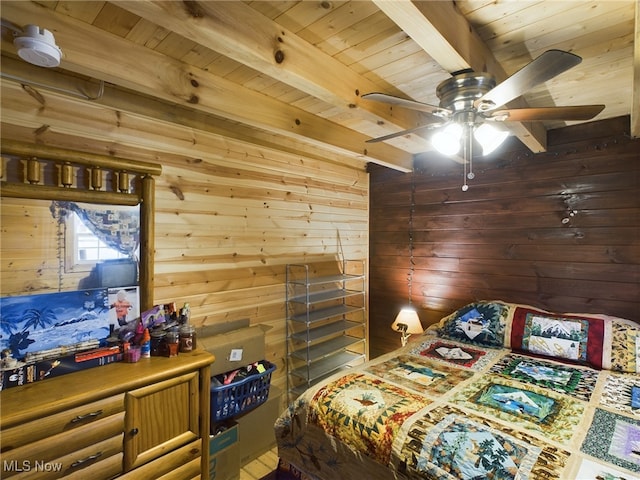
[67,162]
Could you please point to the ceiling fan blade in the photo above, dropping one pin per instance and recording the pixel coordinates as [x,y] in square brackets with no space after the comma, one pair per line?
[406,103]
[581,112]
[548,65]
[402,133]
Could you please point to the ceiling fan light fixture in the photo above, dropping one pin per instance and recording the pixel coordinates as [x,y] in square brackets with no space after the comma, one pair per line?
[489,137]
[447,139]
[38,46]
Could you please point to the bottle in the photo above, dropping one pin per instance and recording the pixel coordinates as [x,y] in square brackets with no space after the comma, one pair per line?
[173,341]
[187,338]
[145,344]
[185,314]
[158,343]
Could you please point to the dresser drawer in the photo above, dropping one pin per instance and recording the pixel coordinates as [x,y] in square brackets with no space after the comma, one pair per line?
[188,454]
[68,420]
[100,461]
[118,421]
[105,469]
[52,448]
[189,470]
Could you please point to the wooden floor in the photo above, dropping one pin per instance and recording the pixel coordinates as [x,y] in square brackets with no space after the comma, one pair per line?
[262,465]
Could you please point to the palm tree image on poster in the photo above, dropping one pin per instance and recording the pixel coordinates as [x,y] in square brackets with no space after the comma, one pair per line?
[33,323]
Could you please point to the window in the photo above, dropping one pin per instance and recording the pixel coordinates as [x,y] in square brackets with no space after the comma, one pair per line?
[83,248]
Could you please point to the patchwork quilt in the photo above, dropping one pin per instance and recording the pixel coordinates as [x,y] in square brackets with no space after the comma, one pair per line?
[446,407]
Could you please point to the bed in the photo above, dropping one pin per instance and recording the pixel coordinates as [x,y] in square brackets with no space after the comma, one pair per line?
[495,390]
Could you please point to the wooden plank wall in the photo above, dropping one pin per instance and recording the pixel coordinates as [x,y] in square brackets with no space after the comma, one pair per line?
[229,214]
[228,222]
[25,225]
[505,238]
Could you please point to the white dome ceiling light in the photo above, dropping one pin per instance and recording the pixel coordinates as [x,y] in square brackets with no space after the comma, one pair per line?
[37,46]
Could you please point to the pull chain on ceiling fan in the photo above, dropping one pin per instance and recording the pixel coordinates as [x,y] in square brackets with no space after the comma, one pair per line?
[469,105]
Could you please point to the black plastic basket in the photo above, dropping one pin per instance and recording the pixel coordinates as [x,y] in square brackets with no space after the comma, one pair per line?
[241,396]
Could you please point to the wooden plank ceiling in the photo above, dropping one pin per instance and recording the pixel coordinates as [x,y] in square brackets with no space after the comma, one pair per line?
[293,72]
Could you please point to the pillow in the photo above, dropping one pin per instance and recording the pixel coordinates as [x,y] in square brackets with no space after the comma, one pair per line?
[572,338]
[625,351]
[478,323]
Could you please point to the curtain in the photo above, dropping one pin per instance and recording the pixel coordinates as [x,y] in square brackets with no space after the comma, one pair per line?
[116,227]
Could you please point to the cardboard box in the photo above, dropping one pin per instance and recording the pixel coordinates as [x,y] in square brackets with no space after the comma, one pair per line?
[224,455]
[234,349]
[256,428]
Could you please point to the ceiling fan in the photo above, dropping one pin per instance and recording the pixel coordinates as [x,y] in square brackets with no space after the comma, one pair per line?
[470,102]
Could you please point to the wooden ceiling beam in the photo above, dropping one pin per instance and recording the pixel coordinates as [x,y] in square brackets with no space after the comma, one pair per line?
[238,31]
[447,37]
[40,80]
[67,123]
[92,52]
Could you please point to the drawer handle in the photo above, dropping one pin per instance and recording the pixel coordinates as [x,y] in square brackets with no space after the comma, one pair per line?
[82,418]
[90,458]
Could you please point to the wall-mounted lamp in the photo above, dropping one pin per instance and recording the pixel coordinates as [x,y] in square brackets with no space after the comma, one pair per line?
[407,323]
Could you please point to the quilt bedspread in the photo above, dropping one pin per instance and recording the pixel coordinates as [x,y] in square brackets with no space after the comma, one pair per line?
[442,409]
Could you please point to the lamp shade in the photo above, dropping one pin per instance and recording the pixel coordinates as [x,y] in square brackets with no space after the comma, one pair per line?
[409,317]
[447,139]
[489,137]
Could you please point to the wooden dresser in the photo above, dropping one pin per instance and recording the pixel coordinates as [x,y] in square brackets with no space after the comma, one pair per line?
[129,420]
